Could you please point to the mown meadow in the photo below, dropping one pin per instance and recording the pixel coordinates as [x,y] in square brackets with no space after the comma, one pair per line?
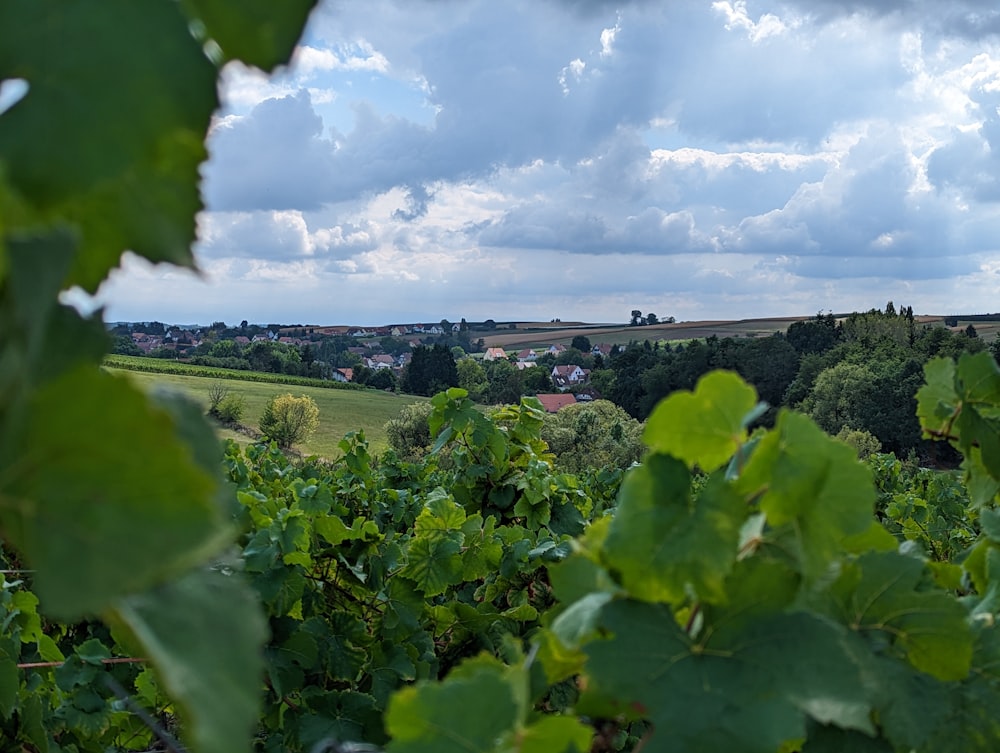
[340,411]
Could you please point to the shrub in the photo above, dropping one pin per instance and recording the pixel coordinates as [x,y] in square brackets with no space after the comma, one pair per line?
[231,409]
[217,393]
[289,420]
[863,442]
[410,432]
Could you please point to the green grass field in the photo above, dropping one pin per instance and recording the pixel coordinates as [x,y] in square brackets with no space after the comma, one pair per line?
[340,411]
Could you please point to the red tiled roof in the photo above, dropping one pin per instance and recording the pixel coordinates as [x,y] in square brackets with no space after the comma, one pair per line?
[552,403]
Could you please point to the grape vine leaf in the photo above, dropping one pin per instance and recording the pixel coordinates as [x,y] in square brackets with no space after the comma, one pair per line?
[40,338]
[704,427]
[961,403]
[814,492]
[341,716]
[434,556]
[251,30]
[10,682]
[918,712]
[113,124]
[830,739]
[208,618]
[468,712]
[936,398]
[881,595]
[554,734]
[664,541]
[94,538]
[750,694]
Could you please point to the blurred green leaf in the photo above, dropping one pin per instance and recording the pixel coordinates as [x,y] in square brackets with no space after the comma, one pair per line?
[814,492]
[111,132]
[705,427]
[203,633]
[663,541]
[251,30]
[104,499]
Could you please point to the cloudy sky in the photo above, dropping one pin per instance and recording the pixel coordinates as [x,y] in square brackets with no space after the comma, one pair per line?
[533,159]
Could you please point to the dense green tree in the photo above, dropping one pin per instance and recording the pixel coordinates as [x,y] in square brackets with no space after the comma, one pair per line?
[814,335]
[471,377]
[226,349]
[581,343]
[652,318]
[770,364]
[431,370]
[810,366]
[124,345]
[265,355]
[602,380]
[362,374]
[940,341]
[840,396]
[597,434]
[627,389]
[536,379]
[383,379]
[890,411]
[574,357]
[505,383]
[873,327]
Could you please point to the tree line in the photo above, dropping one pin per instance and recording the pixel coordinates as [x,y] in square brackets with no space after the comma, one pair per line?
[856,373]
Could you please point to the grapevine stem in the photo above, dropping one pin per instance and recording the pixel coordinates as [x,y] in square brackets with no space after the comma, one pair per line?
[695,611]
[114,660]
[164,737]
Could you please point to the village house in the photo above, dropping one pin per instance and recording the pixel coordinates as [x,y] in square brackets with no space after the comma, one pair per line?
[602,349]
[527,355]
[146,342]
[495,354]
[380,361]
[568,376]
[556,349]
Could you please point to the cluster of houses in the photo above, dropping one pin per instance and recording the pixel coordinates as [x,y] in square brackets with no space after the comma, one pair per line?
[172,339]
[401,330]
[186,339]
[564,377]
[376,362]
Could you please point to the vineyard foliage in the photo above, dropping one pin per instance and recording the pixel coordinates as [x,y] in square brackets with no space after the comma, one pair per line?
[111,503]
[744,596]
[753,593]
[160,366]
